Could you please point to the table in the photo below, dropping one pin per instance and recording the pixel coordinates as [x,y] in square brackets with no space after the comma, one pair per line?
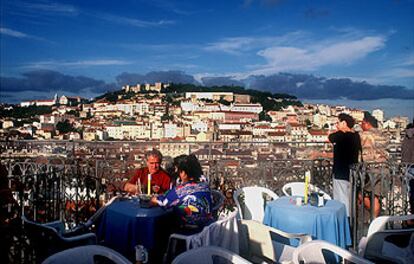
[328,223]
[125,224]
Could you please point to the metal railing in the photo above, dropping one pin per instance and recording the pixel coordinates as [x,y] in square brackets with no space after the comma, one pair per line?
[71,187]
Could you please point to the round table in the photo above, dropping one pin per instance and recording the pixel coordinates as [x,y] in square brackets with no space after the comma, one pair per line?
[125,224]
[328,223]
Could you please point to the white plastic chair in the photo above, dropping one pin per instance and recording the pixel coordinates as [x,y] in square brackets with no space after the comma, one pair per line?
[252,207]
[218,200]
[260,243]
[222,233]
[394,246]
[298,189]
[207,255]
[87,255]
[380,224]
[84,227]
[318,251]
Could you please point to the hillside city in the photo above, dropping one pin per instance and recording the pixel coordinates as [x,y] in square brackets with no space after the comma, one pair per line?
[159,112]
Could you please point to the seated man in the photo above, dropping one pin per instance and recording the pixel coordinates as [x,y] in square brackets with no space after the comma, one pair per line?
[160,180]
[191,198]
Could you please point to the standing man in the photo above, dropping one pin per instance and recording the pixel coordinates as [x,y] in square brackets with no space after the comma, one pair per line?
[347,146]
[160,180]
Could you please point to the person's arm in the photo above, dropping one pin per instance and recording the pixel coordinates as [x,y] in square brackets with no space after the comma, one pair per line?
[169,199]
[335,136]
[130,186]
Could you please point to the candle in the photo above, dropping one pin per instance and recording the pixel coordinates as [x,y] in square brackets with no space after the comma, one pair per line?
[149,184]
[307,179]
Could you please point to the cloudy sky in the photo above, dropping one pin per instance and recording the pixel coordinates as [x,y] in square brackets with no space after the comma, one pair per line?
[348,50]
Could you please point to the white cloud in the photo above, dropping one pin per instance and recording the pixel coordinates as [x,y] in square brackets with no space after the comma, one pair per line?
[311,57]
[18,34]
[239,45]
[13,33]
[132,21]
[231,45]
[82,63]
[52,7]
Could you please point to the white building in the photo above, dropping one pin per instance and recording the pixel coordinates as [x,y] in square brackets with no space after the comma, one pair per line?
[250,108]
[378,114]
[215,96]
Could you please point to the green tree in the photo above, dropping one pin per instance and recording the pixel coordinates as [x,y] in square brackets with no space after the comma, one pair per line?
[65,127]
[263,116]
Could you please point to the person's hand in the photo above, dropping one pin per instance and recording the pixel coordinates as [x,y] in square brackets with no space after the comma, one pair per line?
[154,200]
[155,188]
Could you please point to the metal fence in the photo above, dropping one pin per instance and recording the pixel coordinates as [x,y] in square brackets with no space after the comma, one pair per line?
[73,186]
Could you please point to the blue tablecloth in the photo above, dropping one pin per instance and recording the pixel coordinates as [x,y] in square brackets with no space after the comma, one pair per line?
[328,223]
[125,224]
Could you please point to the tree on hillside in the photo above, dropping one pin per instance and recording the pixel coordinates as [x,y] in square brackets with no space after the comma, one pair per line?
[263,116]
[65,127]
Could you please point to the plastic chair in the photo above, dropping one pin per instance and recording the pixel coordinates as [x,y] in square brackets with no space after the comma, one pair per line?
[209,255]
[381,223]
[298,189]
[88,225]
[222,233]
[49,238]
[391,246]
[318,251]
[263,244]
[253,205]
[87,255]
[218,200]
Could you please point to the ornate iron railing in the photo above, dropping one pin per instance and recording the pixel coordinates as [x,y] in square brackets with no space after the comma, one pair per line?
[71,187]
[388,183]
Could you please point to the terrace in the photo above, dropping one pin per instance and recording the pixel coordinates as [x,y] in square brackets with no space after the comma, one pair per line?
[69,181]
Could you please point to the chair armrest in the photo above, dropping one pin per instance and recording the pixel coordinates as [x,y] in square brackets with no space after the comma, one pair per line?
[261,243]
[85,239]
[57,225]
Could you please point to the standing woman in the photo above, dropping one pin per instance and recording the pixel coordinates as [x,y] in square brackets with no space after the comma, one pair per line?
[191,199]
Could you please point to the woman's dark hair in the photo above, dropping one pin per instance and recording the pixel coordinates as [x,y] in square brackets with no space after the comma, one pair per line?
[370,119]
[190,165]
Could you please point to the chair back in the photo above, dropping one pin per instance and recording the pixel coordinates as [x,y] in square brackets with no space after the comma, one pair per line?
[87,255]
[251,205]
[261,243]
[393,246]
[223,233]
[218,200]
[298,189]
[380,223]
[318,251]
[209,255]
[44,240]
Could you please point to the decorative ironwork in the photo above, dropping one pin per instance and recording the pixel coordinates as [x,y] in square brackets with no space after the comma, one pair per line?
[73,181]
[388,182]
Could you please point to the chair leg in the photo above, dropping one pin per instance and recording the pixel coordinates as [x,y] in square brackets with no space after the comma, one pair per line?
[175,247]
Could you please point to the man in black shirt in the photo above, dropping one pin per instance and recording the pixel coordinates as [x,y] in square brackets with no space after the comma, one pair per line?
[347,146]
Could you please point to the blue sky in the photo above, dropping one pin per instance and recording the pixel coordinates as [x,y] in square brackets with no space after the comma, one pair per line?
[87,47]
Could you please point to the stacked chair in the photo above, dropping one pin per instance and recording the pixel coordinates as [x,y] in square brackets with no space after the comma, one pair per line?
[298,189]
[251,201]
[209,255]
[387,241]
[318,251]
[87,255]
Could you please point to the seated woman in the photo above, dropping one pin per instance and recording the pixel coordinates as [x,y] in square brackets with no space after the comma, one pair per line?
[191,198]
